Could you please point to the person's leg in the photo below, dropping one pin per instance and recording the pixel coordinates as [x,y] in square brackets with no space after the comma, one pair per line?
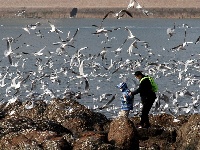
[145,113]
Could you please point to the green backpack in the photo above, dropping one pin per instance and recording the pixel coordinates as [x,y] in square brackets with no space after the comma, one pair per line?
[153,83]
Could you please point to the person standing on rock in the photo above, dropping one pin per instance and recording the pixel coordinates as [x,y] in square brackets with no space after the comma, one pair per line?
[126,100]
[147,89]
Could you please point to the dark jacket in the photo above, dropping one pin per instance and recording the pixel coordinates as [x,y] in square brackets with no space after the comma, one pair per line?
[145,90]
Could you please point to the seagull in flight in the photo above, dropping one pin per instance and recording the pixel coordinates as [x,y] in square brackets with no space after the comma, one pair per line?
[119,14]
[87,86]
[27,29]
[138,5]
[20,13]
[197,41]
[184,26]
[131,36]
[53,28]
[34,26]
[182,46]
[39,53]
[101,30]
[8,51]
[38,33]
[68,39]
[110,101]
[131,4]
[103,53]
[133,44]
[171,31]
[144,11]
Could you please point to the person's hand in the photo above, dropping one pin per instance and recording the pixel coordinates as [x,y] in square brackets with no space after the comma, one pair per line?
[130,94]
[124,96]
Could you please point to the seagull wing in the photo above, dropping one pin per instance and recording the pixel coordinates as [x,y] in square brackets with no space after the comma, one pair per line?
[10,59]
[51,25]
[131,4]
[26,29]
[81,68]
[197,41]
[177,47]
[110,101]
[130,33]
[127,12]
[138,5]
[87,86]
[108,14]
[74,35]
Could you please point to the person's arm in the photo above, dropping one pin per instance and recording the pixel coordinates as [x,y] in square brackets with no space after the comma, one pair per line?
[141,87]
[135,91]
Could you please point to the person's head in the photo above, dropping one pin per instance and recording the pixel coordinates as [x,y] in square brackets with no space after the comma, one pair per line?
[138,75]
[122,86]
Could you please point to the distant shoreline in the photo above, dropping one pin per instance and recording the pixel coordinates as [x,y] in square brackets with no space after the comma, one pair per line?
[63,12]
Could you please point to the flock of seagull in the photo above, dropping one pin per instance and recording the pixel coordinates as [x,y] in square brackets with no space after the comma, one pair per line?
[52,72]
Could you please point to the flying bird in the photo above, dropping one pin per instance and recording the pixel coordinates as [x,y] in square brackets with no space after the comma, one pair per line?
[39,53]
[9,51]
[53,28]
[87,86]
[171,31]
[131,36]
[119,14]
[131,4]
[110,101]
[197,41]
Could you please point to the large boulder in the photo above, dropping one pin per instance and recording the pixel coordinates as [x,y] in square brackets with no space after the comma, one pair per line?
[123,134]
[75,117]
[189,134]
[68,113]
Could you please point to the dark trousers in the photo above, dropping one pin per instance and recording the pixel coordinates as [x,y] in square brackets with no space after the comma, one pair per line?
[147,104]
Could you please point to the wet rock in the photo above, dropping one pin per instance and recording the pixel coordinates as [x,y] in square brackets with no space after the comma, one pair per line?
[123,133]
[17,123]
[31,139]
[167,120]
[189,134]
[90,140]
[162,134]
[66,124]
[56,143]
[75,117]
[35,113]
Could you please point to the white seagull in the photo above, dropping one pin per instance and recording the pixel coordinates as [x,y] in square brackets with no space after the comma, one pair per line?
[8,52]
[53,28]
[131,36]
[131,4]
[39,53]
[171,31]
[119,14]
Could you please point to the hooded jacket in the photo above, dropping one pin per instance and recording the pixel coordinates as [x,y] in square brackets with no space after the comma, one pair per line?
[126,100]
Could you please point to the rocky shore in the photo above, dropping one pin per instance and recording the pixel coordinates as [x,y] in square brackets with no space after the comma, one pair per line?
[66,124]
[97,8]
[97,12]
